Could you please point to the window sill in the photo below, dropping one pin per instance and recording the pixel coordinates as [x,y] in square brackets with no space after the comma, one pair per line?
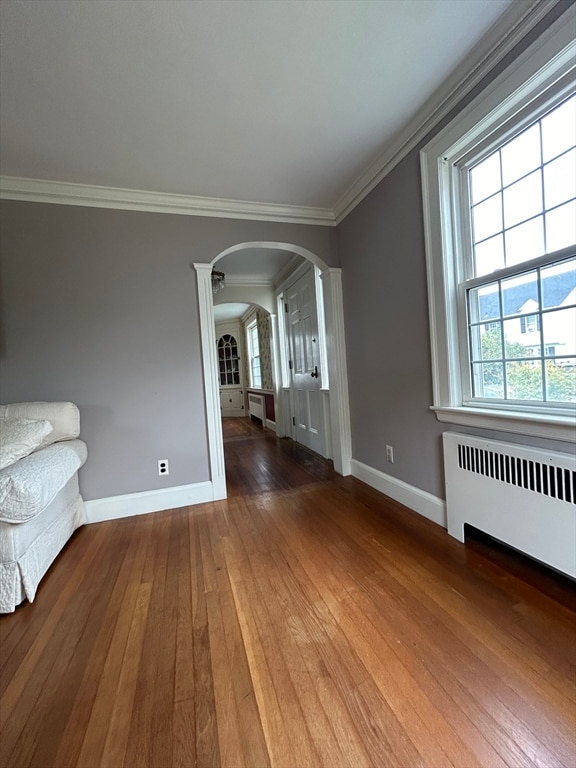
[533,424]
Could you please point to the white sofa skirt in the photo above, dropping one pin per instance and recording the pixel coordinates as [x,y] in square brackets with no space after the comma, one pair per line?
[27,549]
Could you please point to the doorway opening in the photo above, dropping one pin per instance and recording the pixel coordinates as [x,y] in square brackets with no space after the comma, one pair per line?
[264,290]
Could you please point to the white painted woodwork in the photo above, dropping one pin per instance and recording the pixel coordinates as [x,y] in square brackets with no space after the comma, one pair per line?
[338,371]
[519,495]
[305,376]
[211,389]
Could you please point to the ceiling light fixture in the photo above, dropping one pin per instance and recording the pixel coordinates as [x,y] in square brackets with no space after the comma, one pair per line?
[217,280]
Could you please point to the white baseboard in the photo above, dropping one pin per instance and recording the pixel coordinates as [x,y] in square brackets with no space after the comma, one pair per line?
[424,503]
[271,425]
[142,503]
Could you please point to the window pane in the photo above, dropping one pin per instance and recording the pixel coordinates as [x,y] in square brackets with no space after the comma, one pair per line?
[256,372]
[522,337]
[525,242]
[561,381]
[523,199]
[487,218]
[489,344]
[476,333]
[520,295]
[489,255]
[559,129]
[484,303]
[521,155]
[560,179]
[560,331]
[488,380]
[561,227]
[524,380]
[485,178]
[559,284]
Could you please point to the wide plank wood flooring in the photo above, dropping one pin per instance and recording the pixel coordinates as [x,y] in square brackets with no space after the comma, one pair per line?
[305,621]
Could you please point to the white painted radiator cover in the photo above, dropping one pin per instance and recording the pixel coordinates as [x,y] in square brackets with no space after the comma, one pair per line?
[256,406]
[524,497]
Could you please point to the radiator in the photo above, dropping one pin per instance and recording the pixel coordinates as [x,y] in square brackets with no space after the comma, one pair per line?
[524,497]
[256,406]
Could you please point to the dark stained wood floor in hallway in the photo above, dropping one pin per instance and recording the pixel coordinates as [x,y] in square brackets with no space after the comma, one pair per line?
[257,462]
[305,621]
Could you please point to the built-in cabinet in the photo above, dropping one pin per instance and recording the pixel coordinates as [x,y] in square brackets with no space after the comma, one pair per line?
[231,363]
[228,360]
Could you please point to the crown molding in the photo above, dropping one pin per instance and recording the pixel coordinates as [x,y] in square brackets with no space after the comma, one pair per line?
[517,21]
[62,193]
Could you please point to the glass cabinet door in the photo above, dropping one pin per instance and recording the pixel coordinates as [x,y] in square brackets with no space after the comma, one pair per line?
[228,360]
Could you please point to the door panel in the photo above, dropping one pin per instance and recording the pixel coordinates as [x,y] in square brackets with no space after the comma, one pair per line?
[305,357]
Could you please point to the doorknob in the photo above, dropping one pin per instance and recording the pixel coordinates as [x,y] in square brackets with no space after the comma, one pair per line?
[314,373]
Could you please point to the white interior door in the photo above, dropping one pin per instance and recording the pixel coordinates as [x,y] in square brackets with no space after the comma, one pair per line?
[307,414]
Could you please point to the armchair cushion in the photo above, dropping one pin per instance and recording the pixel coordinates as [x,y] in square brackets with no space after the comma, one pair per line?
[19,437]
[30,485]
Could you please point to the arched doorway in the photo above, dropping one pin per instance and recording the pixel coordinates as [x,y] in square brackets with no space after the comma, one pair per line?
[338,402]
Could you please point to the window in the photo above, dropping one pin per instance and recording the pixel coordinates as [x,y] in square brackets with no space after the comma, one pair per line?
[254,355]
[499,187]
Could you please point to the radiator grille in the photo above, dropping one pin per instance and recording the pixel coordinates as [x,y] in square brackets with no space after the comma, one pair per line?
[555,482]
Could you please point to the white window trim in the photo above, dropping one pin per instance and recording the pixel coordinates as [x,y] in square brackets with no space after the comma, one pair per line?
[251,356]
[541,68]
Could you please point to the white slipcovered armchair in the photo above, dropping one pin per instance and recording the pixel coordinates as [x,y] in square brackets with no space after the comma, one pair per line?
[40,502]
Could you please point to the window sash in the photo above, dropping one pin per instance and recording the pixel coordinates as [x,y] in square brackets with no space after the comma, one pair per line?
[468,358]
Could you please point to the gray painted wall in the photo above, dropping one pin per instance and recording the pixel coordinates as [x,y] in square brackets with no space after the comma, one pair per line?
[386,320]
[100,307]
[383,260]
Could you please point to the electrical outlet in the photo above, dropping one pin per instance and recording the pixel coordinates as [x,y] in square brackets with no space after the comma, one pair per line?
[390,454]
[163,468]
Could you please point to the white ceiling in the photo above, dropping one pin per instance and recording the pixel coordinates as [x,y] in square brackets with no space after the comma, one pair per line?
[251,268]
[283,102]
[230,311]
[255,264]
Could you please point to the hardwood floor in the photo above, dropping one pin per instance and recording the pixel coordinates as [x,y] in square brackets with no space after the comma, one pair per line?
[305,621]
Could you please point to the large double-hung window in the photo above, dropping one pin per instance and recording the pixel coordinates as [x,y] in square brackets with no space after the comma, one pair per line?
[499,189]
